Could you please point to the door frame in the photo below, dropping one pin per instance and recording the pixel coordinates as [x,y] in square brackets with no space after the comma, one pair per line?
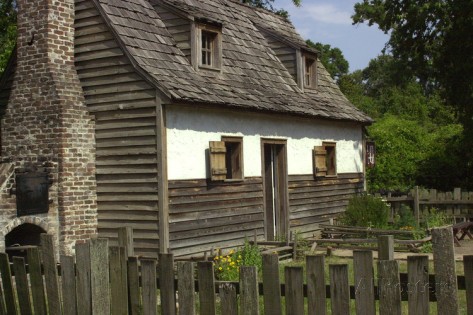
[282,181]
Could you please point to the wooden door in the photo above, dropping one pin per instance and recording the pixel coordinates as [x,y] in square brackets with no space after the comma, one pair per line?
[274,162]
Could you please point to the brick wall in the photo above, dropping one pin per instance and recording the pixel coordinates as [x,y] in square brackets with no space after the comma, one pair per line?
[46,124]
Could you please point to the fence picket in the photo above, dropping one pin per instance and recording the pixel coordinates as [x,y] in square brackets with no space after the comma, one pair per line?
[50,274]
[10,296]
[418,284]
[294,290]
[389,287]
[444,267]
[36,279]
[249,298]
[118,280]
[149,287]
[186,288]
[228,298]
[340,289]
[83,282]
[125,239]
[205,275]
[316,292]
[22,288]
[271,285]
[364,282]
[386,247]
[134,295]
[99,276]
[468,268]
[68,280]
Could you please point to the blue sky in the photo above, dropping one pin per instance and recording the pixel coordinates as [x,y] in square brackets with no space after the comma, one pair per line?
[329,22]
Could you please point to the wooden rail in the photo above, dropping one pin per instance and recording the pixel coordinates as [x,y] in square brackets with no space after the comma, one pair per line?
[107,281]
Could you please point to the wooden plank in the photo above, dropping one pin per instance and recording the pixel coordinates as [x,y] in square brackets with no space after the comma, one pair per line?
[205,275]
[418,284]
[68,281]
[228,299]
[166,284]
[340,290]
[163,189]
[83,281]
[7,284]
[186,288]
[294,290]
[134,286]
[444,268]
[316,293]
[125,239]
[249,298]
[118,280]
[99,275]
[468,269]
[50,274]
[36,279]
[386,247]
[22,287]
[364,282]
[271,285]
[149,287]
[389,287]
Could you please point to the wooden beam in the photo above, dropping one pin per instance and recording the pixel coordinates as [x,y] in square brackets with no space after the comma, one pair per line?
[163,192]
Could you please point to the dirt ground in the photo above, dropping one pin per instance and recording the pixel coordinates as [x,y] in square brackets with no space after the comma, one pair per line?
[466,248]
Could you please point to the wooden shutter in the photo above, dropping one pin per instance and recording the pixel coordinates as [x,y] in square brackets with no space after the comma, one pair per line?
[217,152]
[320,165]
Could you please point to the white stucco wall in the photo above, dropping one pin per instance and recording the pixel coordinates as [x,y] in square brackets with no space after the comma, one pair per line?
[190,130]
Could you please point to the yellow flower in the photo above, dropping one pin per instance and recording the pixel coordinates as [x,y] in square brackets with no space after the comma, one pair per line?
[220,268]
[216,258]
[232,251]
[239,256]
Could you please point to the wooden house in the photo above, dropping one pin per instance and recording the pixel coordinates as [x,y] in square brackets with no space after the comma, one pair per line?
[207,120]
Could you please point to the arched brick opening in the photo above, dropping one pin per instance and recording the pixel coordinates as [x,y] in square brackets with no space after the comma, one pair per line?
[26,234]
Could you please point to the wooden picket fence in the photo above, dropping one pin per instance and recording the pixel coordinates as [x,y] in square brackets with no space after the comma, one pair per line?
[104,279]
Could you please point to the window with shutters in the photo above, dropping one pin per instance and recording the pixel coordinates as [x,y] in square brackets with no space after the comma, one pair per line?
[325,160]
[226,159]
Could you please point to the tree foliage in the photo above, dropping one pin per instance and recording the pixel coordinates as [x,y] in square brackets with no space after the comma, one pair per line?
[332,58]
[7,31]
[268,5]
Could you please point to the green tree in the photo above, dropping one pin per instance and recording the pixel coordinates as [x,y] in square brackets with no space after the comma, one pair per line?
[7,31]
[332,58]
[268,5]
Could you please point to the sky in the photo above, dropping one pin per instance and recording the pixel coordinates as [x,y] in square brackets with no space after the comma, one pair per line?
[329,22]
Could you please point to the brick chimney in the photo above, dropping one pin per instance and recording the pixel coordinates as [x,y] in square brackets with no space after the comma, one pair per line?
[46,126]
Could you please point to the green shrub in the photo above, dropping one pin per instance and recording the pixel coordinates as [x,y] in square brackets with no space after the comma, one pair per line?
[366,210]
[436,218]
[405,218]
[227,267]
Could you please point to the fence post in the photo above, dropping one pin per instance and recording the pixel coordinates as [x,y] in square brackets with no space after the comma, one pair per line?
[50,274]
[166,284]
[118,280]
[36,279]
[186,288]
[10,297]
[149,287]
[385,247]
[444,268]
[205,275]
[271,285]
[468,267]
[389,287]
[316,290]
[249,298]
[99,276]
[364,282]
[294,290]
[134,286]
[22,287]
[418,284]
[228,298]
[339,289]
[68,280]
[125,239]
[83,283]
[416,205]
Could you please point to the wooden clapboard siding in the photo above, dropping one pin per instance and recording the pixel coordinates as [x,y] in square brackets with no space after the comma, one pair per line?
[219,215]
[285,53]
[317,201]
[179,27]
[124,107]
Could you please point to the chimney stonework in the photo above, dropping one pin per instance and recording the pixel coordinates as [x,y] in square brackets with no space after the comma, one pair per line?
[47,126]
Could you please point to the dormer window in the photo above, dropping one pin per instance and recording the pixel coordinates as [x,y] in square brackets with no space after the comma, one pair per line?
[209,46]
[310,72]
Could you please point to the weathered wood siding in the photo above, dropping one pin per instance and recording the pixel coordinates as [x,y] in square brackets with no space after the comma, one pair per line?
[205,215]
[124,106]
[317,201]
[179,27]
[285,53]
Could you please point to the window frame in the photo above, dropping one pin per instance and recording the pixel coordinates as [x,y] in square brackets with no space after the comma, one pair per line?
[214,33]
[309,62]
[223,159]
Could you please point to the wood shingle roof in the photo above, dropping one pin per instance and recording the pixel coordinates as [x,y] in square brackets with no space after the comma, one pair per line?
[252,77]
